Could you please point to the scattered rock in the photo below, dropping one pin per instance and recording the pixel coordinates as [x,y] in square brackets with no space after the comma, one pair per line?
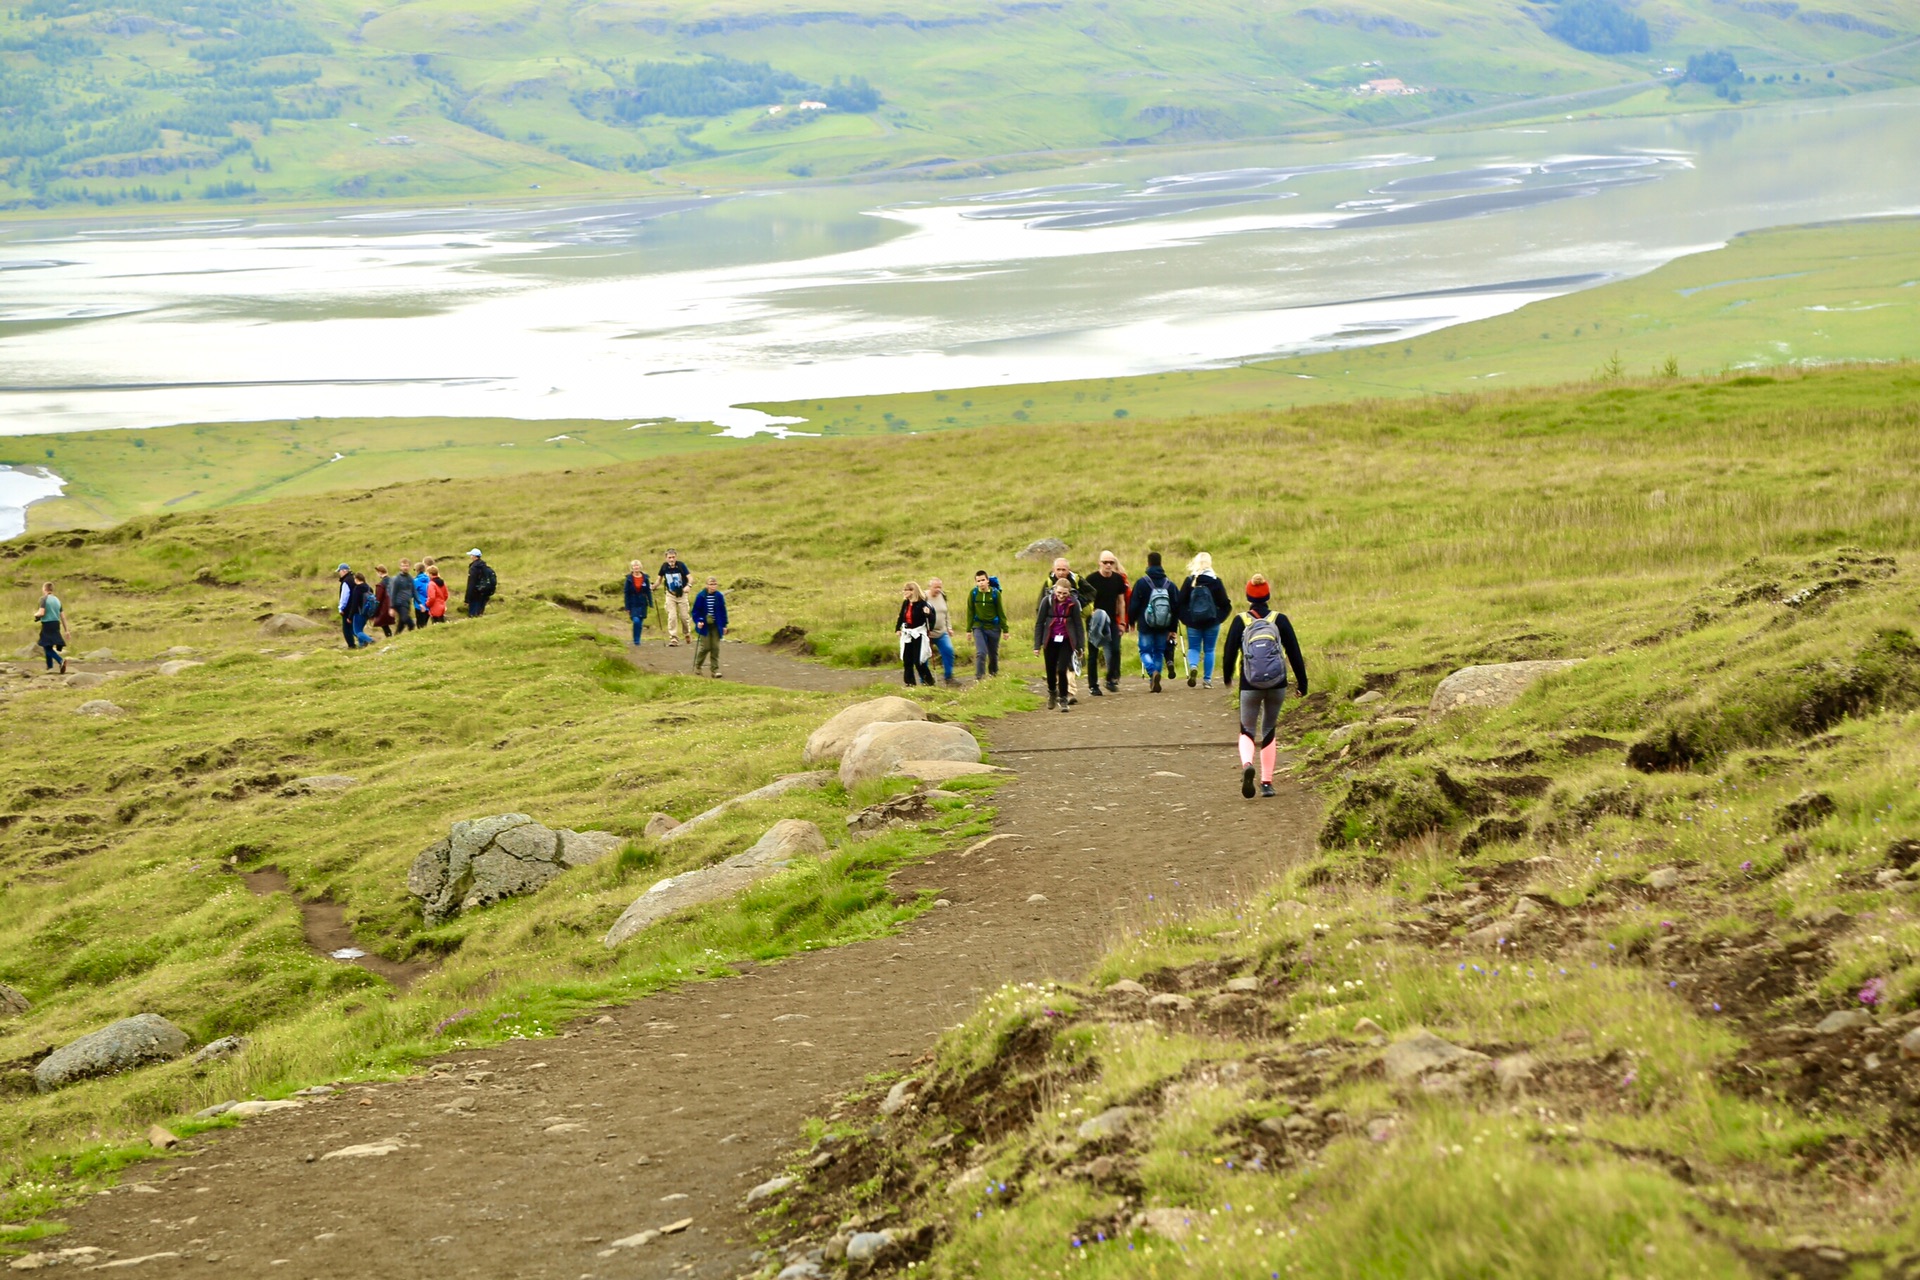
[938,771]
[177,665]
[865,1246]
[247,1110]
[1514,1073]
[898,1096]
[362,1151]
[659,824]
[1037,898]
[1425,1054]
[486,860]
[87,679]
[1340,733]
[1910,1044]
[770,1188]
[1663,878]
[1821,917]
[636,1240]
[1168,1224]
[1371,695]
[787,839]
[1808,809]
[1126,987]
[805,1269]
[217,1109]
[128,1043]
[778,787]
[1171,1003]
[879,749]
[287,624]
[161,1139]
[1498,684]
[1368,1027]
[80,1256]
[12,1003]
[319,782]
[1843,1020]
[892,814]
[1246,985]
[1114,1120]
[1042,549]
[830,741]
[99,707]
[97,655]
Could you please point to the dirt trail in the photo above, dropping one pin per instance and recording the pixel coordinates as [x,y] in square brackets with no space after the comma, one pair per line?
[531,1158]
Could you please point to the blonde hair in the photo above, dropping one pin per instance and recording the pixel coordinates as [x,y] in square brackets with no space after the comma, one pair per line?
[1201,563]
[918,594]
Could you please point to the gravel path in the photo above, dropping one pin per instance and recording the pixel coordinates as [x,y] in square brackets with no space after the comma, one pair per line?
[530,1159]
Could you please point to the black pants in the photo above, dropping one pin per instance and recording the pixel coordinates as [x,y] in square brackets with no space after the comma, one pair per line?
[913,658]
[403,619]
[346,629]
[476,607]
[52,641]
[1059,656]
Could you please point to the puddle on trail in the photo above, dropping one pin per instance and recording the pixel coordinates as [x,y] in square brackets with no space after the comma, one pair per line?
[325,924]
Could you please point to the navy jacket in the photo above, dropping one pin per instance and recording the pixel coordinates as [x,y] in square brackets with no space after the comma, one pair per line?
[639,598]
[710,608]
[1211,584]
[1143,587]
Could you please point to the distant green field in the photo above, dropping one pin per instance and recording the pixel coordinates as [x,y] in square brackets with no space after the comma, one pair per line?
[158,104]
[1813,295]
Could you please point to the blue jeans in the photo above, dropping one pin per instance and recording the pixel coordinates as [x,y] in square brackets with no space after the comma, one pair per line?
[1202,639]
[945,645]
[986,652]
[639,620]
[1153,651]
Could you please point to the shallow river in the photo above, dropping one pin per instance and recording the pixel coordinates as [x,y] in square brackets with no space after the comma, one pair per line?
[689,307]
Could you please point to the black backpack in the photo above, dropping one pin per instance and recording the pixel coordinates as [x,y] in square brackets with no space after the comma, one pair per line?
[1202,609]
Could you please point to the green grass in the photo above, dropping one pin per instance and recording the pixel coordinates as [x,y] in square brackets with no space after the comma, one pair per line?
[1794,297]
[308,100]
[1651,527]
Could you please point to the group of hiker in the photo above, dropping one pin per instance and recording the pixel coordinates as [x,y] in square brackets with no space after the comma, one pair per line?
[409,599]
[1078,623]
[701,615]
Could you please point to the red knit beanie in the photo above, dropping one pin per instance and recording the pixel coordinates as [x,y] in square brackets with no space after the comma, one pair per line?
[1258,591]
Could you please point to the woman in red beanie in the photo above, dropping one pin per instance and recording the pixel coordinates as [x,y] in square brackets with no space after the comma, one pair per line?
[1262,643]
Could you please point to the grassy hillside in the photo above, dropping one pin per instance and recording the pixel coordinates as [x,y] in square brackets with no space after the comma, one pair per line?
[1800,296]
[159,101]
[1653,528]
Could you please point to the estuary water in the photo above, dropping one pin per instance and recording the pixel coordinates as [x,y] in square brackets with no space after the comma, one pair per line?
[689,307]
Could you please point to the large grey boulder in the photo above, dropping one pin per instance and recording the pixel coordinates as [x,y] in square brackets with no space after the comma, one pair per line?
[784,841]
[486,860]
[286,624]
[1499,684]
[128,1043]
[778,787]
[1042,549]
[830,741]
[879,749]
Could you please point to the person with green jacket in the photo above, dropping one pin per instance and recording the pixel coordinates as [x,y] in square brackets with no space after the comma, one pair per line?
[987,620]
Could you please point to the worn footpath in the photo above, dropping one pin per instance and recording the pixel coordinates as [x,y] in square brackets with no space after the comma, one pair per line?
[537,1158]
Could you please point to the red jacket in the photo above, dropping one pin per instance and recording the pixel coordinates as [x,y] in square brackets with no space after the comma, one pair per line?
[436,599]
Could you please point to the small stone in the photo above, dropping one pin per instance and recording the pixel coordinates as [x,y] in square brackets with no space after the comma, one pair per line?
[177,666]
[659,824]
[867,1245]
[1663,878]
[1042,549]
[1126,987]
[1821,917]
[791,1017]
[217,1109]
[247,1110]
[805,1269]
[1888,878]
[897,1097]
[635,1240]
[770,1188]
[1171,1002]
[565,1126]
[1843,1020]
[1514,1073]
[1528,907]
[461,1106]
[1424,1052]
[1371,695]
[1169,1224]
[1113,1120]
[216,1050]
[1036,897]
[674,1228]
[362,1151]
[99,707]
[1910,1044]
[943,902]
[314,1091]
[161,1139]
[1368,1027]
[12,1003]
[1246,986]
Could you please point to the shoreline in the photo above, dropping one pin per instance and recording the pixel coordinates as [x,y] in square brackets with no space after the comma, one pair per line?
[34,484]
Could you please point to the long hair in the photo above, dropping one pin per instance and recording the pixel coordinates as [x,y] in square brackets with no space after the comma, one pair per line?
[1201,563]
[918,594]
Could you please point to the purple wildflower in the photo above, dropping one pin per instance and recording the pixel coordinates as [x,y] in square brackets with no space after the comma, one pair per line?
[1874,992]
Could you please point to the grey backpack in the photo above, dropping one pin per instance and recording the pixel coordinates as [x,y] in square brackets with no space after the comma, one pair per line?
[1264,663]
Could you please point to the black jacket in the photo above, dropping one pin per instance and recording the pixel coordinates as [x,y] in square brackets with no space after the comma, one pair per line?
[1076,629]
[1211,584]
[674,578]
[1231,654]
[1143,587]
[481,582]
[913,613]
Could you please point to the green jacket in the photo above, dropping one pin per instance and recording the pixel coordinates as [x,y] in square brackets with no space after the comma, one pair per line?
[984,610]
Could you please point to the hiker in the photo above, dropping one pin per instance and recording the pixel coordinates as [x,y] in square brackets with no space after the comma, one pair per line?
[1204,605]
[940,630]
[1109,585]
[709,622]
[54,630]
[1154,608]
[481,583]
[914,622]
[639,592]
[349,605]
[1262,642]
[437,594]
[1043,607]
[1058,634]
[422,591]
[987,621]
[675,578]
[362,606]
[382,605]
[400,592]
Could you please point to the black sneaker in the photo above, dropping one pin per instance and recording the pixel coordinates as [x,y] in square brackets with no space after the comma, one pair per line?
[1064,708]
[1072,701]
[1192,678]
[1093,690]
[1246,782]
[1266,790]
[1113,686]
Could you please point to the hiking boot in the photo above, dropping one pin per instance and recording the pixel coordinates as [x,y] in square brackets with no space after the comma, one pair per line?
[1093,691]
[1246,782]
[1266,790]
[1193,676]
[1153,683]
[1113,686]
[1053,703]
[1072,701]
[1064,708]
